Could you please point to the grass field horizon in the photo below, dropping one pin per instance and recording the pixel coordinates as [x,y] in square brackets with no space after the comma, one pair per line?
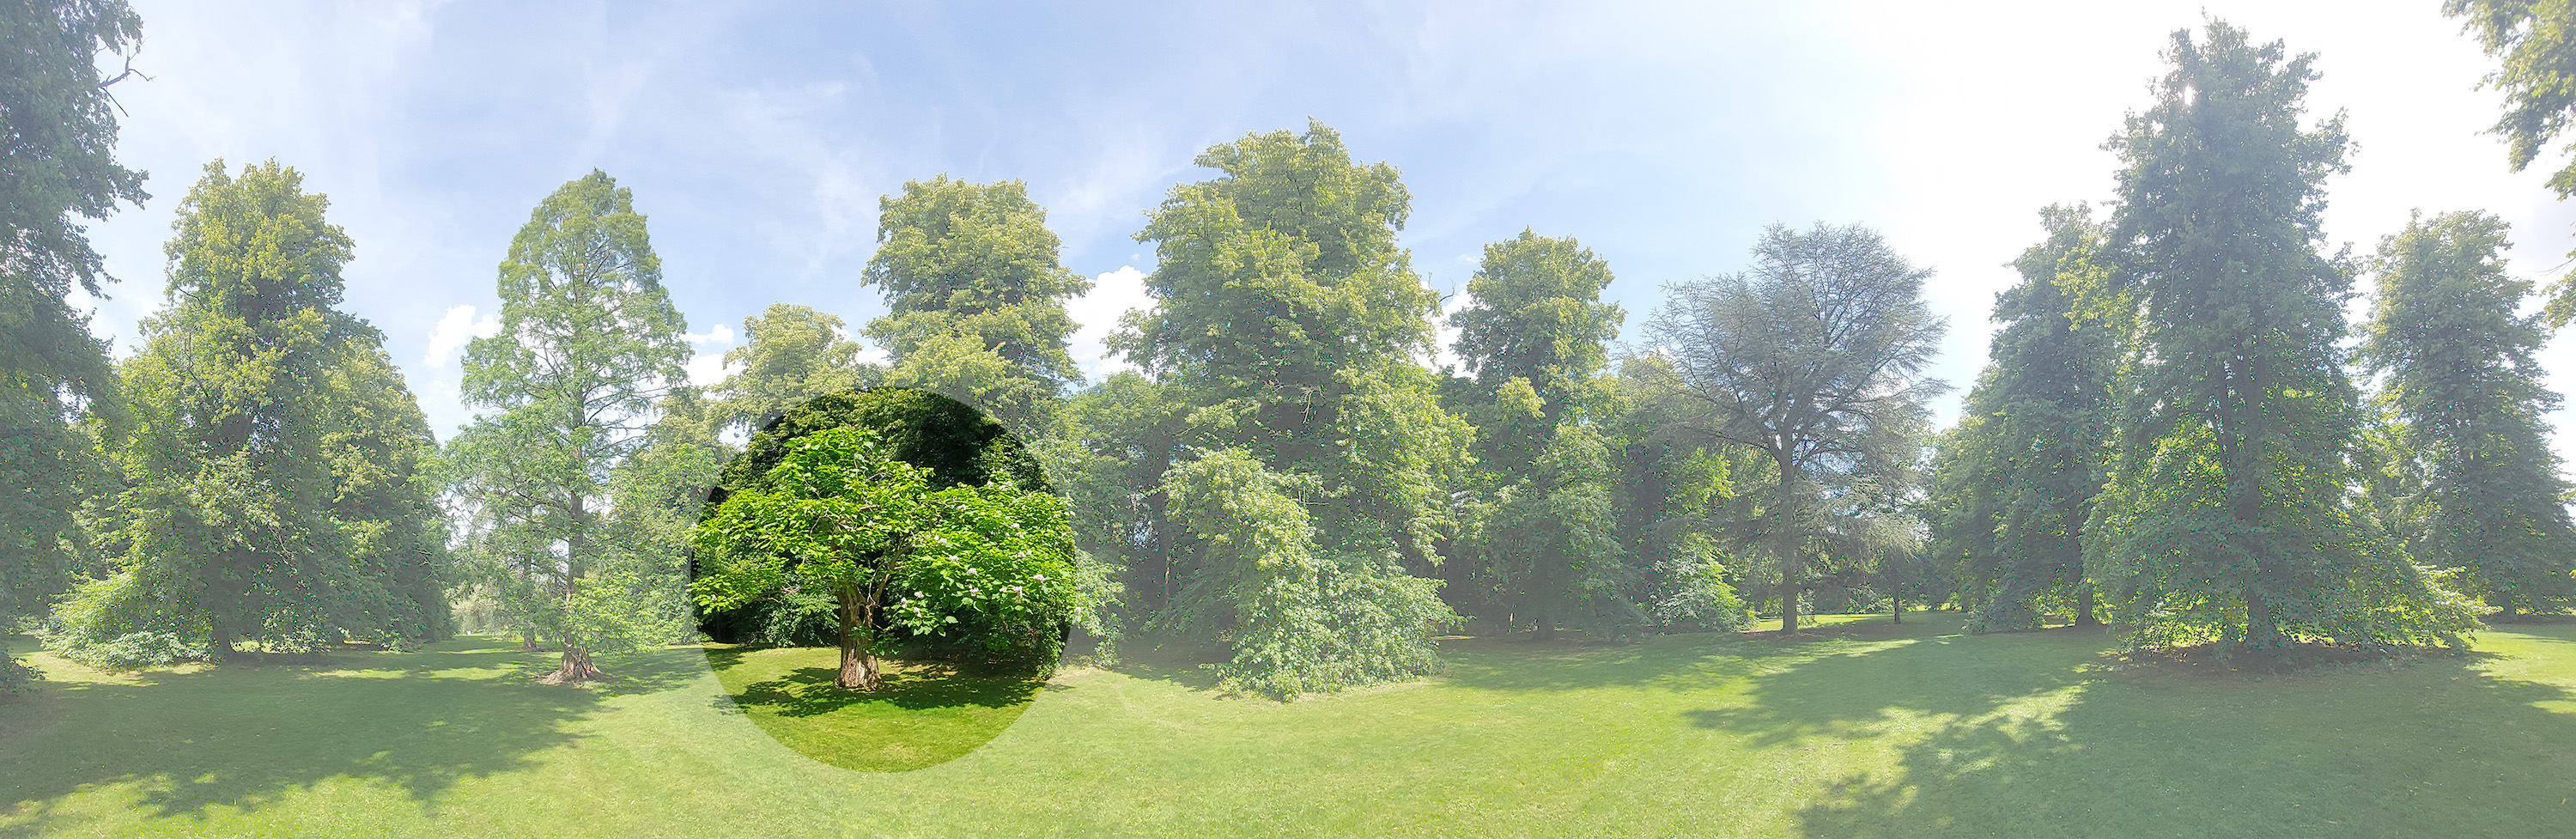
[1863,729]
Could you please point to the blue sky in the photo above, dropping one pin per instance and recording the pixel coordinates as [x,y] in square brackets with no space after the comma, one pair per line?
[758,136]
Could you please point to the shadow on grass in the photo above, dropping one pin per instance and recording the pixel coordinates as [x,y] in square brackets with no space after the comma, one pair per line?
[246,733]
[2038,734]
[925,714]
[810,691]
[1684,661]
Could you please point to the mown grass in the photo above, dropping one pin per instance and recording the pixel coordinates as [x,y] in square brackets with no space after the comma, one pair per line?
[1862,730]
[924,715]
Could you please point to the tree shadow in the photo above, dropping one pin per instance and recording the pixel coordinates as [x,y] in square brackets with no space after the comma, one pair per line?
[1680,662]
[811,691]
[1188,665]
[2030,735]
[244,735]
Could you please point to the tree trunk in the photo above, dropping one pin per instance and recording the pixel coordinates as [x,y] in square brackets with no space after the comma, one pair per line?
[858,629]
[2084,604]
[575,669]
[2260,633]
[530,644]
[1785,543]
[1896,608]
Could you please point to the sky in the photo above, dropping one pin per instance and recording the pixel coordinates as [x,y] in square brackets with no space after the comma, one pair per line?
[758,137]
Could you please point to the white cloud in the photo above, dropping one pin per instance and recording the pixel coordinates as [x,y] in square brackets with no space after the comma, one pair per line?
[707,370]
[722,334]
[454,329]
[1444,353]
[1095,315]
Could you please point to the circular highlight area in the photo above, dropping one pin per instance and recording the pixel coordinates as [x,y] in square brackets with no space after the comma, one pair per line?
[886,578]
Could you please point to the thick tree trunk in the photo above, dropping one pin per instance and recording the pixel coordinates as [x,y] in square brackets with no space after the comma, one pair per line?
[1785,543]
[529,634]
[1896,608]
[575,669]
[2260,633]
[2084,604]
[858,629]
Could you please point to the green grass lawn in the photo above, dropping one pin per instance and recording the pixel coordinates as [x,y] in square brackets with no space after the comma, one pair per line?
[1865,730]
[923,716]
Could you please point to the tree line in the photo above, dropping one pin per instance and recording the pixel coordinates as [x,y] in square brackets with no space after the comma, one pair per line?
[2173,435]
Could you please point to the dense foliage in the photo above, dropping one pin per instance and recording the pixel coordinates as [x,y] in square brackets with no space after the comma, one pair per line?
[57,166]
[975,297]
[2227,515]
[588,341]
[991,562]
[275,481]
[2016,477]
[2467,394]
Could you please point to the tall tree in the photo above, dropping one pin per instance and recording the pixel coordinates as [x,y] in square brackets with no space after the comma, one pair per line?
[1290,324]
[275,462]
[1533,336]
[790,354]
[2226,513]
[1811,359]
[2468,396]
[975,297]
[2018,476]
[2536,42]
[589,340]
[57,133]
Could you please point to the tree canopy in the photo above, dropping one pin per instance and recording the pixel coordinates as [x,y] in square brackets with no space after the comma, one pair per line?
[1810,358]
[838,512]
[2446,332]
[2226,516]
[588,341]
[275,469]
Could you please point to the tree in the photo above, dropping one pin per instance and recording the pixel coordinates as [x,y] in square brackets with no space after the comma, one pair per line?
[57,132]
[1811,359]
[275,467]
[975,298]
[588,341]
[2018,476]
[959,445]
[1533,336]
[2536,41]
[2468,396]
[791,354]
[2226,512]
[1288,325]
[840,513]
[1305,622]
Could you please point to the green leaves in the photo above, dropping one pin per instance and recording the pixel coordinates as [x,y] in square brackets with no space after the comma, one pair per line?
[2227,515]
[976,297]
[588,341]
[275,467]
[2466,391]
[990,563]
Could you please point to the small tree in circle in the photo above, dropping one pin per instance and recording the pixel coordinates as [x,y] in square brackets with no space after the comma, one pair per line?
[991,563]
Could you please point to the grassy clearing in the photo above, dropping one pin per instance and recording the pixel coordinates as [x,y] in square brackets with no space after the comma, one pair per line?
[925,715]
[1864,730]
